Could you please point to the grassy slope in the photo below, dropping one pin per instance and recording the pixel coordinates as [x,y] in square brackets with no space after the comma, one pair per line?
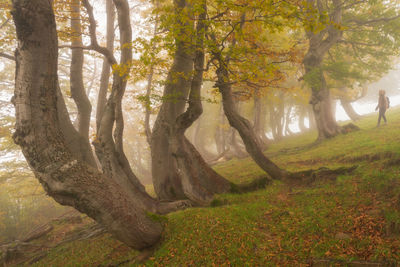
[352,218]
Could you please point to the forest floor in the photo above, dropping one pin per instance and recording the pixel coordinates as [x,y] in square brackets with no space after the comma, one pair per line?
[354,218]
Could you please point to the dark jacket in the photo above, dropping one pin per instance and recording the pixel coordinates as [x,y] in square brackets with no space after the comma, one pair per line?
[382,103]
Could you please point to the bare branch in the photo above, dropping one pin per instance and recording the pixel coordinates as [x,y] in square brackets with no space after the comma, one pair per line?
[10,57]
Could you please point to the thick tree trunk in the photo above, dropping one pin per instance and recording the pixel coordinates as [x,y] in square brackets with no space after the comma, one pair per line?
[67,179]
[109,142]
[179,172]
[348,108]
[322,107]
[105,72]
[319,45]
[78,92]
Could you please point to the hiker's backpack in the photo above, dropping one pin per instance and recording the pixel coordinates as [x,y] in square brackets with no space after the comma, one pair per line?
[387,102]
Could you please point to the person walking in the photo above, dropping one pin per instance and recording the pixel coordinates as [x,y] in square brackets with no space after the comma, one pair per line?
[383,105]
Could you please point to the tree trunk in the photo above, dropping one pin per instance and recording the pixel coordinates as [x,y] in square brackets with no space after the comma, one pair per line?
[242,125]
[348,108]
[109,141]
[147,128]
[67,179]
[105,72]
[78,92]
[318,47]
[322,108]
[179,172]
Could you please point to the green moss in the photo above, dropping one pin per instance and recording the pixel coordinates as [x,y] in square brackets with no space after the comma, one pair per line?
[278,225]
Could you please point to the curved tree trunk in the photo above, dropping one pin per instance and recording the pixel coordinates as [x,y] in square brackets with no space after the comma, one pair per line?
[67,179]
[179,172]
[348,108]
[242,125]
[76,77]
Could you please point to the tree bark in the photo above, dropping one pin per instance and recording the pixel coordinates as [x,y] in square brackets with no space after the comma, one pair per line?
[242,125]
[109,141]
[67,179]
[179,172]
[319,45]
[76,77]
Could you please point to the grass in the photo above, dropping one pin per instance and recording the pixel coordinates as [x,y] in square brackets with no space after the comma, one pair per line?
[356,217]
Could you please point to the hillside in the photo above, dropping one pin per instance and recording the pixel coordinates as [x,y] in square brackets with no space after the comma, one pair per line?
[354,218]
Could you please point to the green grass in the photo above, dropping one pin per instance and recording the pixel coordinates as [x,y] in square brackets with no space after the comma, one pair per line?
[281,225]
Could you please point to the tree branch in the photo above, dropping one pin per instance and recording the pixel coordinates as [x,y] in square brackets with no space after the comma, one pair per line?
[93,38]
[10,57]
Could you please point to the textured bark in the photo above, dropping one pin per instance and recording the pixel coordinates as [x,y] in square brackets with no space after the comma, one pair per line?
[105,73]
[348,108]
[76,77]
[319,45]
[179,172]
[199,181]
[109,142]
[67,179]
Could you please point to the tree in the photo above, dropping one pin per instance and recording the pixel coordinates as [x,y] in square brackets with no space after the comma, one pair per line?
[64,175]
[78,92]
[179,171]
[364,27]
[233,37]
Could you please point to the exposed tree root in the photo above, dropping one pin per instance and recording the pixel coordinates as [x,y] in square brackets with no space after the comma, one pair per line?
[309,176]
[254,185]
